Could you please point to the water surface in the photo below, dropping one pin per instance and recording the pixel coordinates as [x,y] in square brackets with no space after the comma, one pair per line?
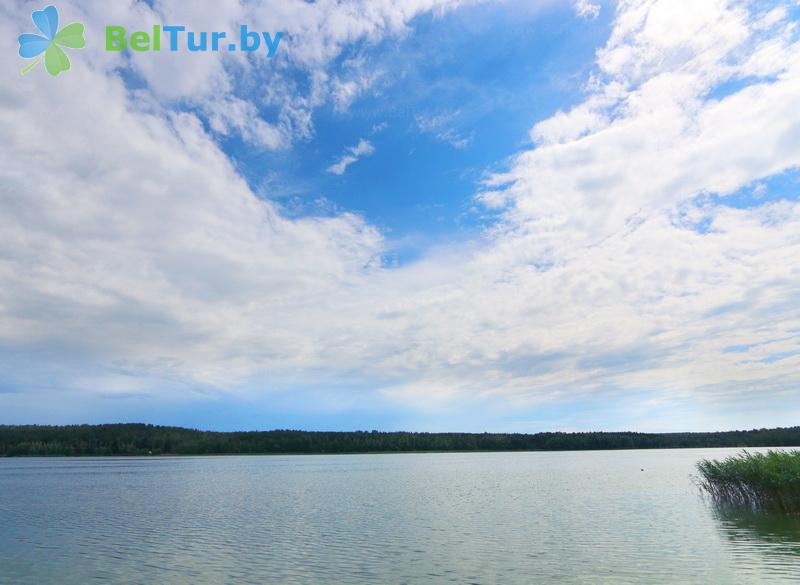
[486,518]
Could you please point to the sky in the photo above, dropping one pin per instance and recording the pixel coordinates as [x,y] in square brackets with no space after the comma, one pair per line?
[435,215]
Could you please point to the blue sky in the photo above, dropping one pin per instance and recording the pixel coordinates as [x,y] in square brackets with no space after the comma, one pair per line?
[433,215]
[486,73]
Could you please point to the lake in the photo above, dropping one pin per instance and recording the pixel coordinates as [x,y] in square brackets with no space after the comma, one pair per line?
[484,518]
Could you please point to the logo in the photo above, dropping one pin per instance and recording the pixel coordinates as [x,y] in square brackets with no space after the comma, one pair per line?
[117,39]
[55,59]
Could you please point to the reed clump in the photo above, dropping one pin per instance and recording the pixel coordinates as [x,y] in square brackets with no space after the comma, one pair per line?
[767,482]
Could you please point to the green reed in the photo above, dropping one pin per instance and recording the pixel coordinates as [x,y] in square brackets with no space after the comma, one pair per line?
[760,481]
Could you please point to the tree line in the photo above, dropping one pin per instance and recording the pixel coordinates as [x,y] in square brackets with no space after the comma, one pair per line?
[144,439]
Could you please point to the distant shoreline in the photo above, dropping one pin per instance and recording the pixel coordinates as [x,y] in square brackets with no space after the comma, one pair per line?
[135,439]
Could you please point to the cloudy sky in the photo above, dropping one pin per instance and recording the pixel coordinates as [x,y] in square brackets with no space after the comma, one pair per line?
[427,215]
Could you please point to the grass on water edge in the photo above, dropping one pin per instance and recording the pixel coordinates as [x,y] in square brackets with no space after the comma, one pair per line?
[768,482]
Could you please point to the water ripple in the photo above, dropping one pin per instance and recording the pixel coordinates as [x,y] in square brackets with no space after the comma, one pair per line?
[494,518]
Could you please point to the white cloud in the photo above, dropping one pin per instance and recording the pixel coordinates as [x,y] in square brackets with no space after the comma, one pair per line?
[225,86]
[234,114]
[586,9]
[363,148]
[441,127]
[592,204]
[357,76]
[135,258]
[581,120]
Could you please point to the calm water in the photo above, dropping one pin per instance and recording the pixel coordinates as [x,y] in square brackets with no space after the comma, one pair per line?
[505,518]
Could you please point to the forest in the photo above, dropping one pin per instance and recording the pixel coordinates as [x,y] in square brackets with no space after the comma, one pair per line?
[145,439]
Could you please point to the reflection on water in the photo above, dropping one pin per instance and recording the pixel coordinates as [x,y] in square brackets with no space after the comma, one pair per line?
[777,536]
[621,517]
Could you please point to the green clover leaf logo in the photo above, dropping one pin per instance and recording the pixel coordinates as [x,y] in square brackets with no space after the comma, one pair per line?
[55,59]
